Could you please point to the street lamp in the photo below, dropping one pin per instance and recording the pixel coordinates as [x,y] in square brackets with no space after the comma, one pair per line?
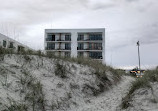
[138,53]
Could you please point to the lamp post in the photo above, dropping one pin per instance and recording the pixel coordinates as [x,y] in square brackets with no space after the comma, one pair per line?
[138,53]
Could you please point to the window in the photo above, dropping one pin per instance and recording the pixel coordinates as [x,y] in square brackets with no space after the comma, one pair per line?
[95,55]
[50,37]
[90,46]
[95,46]
[67,46]
[67,54]
[4,43]
[67,37]
[50,46]
[11,45]
[20,48]
[80,46]
[80,37]
[80,54]
[95,36]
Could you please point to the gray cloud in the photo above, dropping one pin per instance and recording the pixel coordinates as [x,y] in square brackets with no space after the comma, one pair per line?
[103,6]
[127,21]
[132,0]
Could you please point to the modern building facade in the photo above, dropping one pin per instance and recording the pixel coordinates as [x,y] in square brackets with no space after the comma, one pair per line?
[9,43]
[76,42]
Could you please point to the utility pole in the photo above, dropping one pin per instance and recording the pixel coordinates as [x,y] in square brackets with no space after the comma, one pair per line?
[138,53]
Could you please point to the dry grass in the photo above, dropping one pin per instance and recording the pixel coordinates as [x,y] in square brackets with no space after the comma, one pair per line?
[150,76]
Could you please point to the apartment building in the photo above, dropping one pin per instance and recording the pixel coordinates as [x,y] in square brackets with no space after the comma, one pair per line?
[9,43]
[76,42]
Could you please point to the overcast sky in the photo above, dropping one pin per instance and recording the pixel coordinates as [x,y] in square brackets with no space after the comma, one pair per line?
[126,22]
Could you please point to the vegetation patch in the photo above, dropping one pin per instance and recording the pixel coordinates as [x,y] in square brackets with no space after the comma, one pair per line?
[150,76]
[31,91]
[60,69]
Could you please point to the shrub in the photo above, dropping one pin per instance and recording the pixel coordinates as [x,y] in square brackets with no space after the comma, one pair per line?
[39,53]
[60,69]
[90,90]
[150,76]
[36,96]
[4,51]
[50,55]
[74,86]
[27,58]
[17,107]
[140,83]
[30,52]
[32,90]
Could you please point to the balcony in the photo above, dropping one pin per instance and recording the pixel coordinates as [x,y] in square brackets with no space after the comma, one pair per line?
[88,40]
[90,49]
[57,41]
[58,49]
[50,39]
[97,57]
[48,48]
[60,40]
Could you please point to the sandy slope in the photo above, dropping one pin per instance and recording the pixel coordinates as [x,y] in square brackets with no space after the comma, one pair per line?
[145,99]
[67,94]
[110,100]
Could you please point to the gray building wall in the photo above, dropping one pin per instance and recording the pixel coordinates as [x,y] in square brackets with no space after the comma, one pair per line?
[16,44]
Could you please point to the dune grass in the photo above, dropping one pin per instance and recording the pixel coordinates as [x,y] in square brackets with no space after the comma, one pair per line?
[144,82]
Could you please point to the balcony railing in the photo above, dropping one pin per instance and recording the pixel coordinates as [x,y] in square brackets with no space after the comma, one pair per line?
[59,40]
[100,48]
[63,40]
[96,57]
[89,40]
[47,48]
[49,39]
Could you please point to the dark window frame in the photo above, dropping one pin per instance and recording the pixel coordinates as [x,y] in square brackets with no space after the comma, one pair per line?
[80,37]
[95,55]
[80,46]
[50,37]
[50,46]
[11,45]
[4,43]
[67,46]
[95,36]
[67,37]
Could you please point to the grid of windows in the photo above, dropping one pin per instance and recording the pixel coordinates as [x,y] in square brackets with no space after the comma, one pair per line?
[95,55]
[95,36]
[68,37]
[89,43]
[50,46]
